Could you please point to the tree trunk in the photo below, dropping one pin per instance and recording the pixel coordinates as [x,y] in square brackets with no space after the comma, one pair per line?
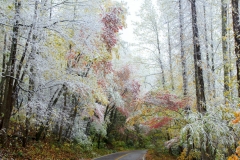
[160,61]
[62,114]
[200,94]
[183,56]
[230,56]
[3,70]
[51,104]
[236,30]
[170,56]
[224,50]
[212,57]
[99,141]
[170,148]
[73,117]
[207,53]
[8,99]
[32,75]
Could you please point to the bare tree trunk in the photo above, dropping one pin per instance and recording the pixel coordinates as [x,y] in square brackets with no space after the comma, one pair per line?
[32,75]
[62,114]
[2,87]
[50,11]
[212,58]
[8,100]
[51,104]
[183,56]
[224,50]
[231,76]
[200,94]
[170,56]
[236,30]
[160,62]
[207,53]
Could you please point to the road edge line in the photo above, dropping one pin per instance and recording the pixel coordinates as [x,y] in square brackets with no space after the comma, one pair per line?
[144,156]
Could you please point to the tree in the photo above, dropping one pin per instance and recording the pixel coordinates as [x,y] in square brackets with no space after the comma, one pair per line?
[224,50]
[183,56]
[236,30]
[199,83]
[151,43]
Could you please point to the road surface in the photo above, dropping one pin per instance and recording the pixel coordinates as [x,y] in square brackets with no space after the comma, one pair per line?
[128,155]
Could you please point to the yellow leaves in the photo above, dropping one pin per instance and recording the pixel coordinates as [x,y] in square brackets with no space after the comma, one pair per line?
[184,156]
[100,96]
[238,150]
[108,4]
[237,114]
[236,120]
[10,7]
[224,38]
[237,117]
[91,112]
[233,157]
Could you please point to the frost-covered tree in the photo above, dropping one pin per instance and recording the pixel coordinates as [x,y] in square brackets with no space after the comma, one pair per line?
[50,50]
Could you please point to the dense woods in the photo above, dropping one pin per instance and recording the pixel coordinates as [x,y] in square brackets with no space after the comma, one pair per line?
[71,88]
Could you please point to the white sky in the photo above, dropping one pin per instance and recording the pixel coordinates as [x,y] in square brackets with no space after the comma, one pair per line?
[133,7]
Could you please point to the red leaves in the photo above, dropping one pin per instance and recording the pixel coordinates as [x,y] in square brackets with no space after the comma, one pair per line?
[135,88]
[124,111]
[124,73]
[103,66]
[169,101]
[158,122]
[112,25]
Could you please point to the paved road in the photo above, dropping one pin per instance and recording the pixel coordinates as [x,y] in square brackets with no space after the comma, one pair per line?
[128,155]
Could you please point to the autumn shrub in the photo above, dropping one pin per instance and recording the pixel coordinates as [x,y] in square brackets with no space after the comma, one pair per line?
[202,133]
[236,121]
[119,144]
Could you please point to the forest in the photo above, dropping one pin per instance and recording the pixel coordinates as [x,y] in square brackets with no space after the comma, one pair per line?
[72,88]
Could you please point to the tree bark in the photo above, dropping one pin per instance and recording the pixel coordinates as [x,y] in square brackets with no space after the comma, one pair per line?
[62,114]
[236,30]
[170,56]
[224,50]
[160,61]
[199,83]
[207,53]
[183,56]
[8,99]
[230,58]
[212,58]
[2,87]
[32,76]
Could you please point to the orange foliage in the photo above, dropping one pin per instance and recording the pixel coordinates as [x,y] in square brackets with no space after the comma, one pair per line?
[235,121]
[237,118]
[233,157]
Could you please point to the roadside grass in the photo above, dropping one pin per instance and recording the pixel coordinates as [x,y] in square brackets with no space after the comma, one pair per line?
[50,149]
[153,155]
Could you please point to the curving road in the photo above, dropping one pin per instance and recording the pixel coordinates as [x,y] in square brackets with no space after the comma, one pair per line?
[127,155]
